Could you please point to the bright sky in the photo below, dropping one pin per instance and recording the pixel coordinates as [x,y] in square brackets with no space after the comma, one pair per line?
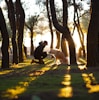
[32,8]
[29,6]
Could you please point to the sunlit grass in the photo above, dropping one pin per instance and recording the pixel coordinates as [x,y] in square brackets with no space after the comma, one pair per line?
[5,72]
[31,79]
[13,92]
[20,65]
[67,90]
[22,85]
[18,89]
[90,82]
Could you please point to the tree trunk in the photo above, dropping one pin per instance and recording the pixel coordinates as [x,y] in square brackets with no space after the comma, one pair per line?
[58,40]
[65,31]
[20,15]
[64,46]
[93,36]
[50,23]
[32,46]
[11,16]
[65,19]
[80,32]
[5,42]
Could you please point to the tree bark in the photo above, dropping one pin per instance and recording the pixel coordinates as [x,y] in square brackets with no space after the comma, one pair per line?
[32,46]
[77,25]
[65,31]
[64,46]
[50,23]
[93,36]
[65,19]
[5,42]
[20,15]
[11,16]
[58,40]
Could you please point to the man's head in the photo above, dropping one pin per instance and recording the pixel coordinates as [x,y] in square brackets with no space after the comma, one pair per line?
[45,43]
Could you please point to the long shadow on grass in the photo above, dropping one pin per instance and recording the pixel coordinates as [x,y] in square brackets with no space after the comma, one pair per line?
[46,82]
[16,80]
[31,80]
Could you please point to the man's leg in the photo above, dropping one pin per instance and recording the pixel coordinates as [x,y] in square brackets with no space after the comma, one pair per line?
[32,61]
[44,54]
[41,61]
[36,59]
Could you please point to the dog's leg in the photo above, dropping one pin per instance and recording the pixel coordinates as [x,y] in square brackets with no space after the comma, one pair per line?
[55,60]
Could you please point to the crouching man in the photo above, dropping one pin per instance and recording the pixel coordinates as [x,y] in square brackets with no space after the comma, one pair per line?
[39,54]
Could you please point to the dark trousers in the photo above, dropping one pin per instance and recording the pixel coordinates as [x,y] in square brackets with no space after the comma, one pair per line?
[42,56]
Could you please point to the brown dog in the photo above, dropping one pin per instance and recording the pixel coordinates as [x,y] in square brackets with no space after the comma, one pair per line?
[58,55]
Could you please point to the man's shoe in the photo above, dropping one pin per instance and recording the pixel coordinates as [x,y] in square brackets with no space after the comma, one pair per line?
[32,61]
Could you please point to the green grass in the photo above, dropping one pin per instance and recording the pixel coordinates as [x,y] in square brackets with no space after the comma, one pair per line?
[26,80]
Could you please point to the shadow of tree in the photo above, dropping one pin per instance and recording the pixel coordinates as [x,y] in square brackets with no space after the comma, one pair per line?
[46,82]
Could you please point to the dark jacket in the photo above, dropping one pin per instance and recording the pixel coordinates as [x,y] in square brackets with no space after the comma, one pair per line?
[39,51]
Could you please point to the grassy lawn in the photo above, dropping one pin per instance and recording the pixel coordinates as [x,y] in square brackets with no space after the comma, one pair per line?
[27,81]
